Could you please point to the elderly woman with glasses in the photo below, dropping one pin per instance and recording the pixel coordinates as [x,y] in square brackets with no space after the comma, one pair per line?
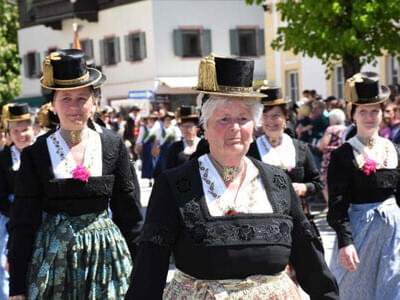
[232,223]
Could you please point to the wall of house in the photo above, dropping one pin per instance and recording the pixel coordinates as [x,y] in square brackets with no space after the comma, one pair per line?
[217,15]
[117,21]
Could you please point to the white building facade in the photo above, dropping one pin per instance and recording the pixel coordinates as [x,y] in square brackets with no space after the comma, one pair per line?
[151,46]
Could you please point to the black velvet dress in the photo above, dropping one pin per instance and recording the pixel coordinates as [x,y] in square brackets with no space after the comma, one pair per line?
[226,247]
[38,192]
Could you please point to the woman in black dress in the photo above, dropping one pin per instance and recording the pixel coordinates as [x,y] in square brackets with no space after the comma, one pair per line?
[63,244]
[233,223]
[180,152]
[18,123]
[363,184]
[277,148]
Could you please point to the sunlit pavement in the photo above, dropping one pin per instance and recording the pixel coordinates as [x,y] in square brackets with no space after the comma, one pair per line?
[328,236]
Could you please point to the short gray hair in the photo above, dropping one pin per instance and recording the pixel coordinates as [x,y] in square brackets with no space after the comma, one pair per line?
[208,107]
[337,117]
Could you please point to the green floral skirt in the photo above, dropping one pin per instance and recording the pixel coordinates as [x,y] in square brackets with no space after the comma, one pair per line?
[83,257]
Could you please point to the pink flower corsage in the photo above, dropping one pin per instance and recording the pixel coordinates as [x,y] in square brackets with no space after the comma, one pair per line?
[289,169]
[81,173]
[369,166]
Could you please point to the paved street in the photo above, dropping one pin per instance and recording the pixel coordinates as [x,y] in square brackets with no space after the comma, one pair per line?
[328,236]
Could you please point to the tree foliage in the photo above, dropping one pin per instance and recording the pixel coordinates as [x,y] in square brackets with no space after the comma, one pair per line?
[352,32]
[10,79]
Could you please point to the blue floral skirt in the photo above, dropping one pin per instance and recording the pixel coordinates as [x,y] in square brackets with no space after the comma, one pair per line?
[83,257]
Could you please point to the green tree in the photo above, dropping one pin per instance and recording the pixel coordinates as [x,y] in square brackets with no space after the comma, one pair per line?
[353,32]
[10,78]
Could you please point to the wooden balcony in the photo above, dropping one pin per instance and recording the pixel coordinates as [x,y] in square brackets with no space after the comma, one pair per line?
[52,12]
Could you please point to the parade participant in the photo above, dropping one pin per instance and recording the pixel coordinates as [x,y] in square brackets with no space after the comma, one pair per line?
[167,134]
[232,223]
[332,139]
[19,126]
[132,127]
[71,176]
[180,152]
[277,148]
[363,180]
[144,145]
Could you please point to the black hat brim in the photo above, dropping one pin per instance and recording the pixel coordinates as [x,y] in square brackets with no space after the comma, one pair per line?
[100,82]
[233,94]
[94,77]
[276,102]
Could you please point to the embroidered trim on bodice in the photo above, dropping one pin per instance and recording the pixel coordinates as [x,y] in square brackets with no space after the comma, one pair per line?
[62,160]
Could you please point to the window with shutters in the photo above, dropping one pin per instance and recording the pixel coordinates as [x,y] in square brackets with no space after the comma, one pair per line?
[393,70]
[292,85]
[192,42]
[338,82]
[87,48]
[110,53]
[32,65]
[135,46]
[247,42]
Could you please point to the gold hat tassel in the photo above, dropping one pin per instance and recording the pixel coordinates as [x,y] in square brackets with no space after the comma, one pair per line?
[48,74]
[350,92]
[5,115]
[207,74]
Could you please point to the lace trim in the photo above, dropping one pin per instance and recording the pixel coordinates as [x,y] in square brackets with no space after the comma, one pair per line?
[157,234]
[217,233]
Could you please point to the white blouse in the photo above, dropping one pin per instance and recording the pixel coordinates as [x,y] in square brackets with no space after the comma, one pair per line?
[383,152]
[283,156]
[15,158]
[251,197]
[61,157]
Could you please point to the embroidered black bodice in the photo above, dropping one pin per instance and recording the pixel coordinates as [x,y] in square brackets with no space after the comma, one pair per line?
[348,184]
[226,247]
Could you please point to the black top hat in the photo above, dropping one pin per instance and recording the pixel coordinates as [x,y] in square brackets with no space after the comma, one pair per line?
[226,77]
[67,70]
[187,114]
[364,89]
[17,112]
[273,96]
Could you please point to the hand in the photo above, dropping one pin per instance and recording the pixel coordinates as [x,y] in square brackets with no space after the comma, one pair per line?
[348,258]
[18,297]
[138,149]
[300,189]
